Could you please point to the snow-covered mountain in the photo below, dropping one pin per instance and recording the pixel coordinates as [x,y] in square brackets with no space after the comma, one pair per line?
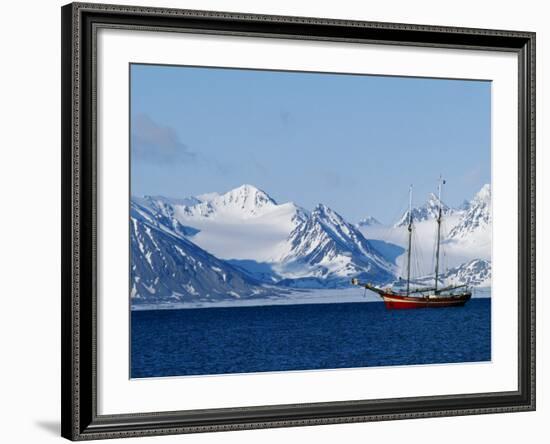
[476,222]
[327,247]
[243,202]
[167,268]
[244,223]
[159,202]
[368,221]
[160,214]
[464,206]
[243,244]
[425,212]
[465,233]
[474,273]
[240,203]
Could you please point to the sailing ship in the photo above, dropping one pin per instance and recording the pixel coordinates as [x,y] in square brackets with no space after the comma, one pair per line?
[422,297]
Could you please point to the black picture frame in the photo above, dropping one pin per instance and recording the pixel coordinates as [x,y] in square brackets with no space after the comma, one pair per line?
[80,420]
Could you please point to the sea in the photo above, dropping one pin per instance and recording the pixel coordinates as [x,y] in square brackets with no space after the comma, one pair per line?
[276,338]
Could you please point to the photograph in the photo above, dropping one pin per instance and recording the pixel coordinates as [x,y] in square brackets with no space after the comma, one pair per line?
[295,221]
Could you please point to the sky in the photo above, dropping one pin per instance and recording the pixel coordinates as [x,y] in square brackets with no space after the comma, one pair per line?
[352,142]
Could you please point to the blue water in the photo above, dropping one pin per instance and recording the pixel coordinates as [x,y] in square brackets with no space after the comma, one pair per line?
[209,341]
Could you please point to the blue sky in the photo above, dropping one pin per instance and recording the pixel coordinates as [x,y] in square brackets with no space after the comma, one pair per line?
[353,142]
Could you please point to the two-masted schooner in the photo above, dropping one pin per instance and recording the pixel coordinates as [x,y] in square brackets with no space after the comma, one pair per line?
[422,297]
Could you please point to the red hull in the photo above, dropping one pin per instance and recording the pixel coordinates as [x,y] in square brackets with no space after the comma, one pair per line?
[395,301]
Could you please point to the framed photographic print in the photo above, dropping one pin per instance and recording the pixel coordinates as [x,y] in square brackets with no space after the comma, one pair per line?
[279,221]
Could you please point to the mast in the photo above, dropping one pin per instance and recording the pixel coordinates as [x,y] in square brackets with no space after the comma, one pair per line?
[409,228]
[441,182]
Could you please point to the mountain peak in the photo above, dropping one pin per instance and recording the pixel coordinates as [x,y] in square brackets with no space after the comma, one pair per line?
[325,246]
[244,201]
[249,192]
[322,208]
[477,218]
[246,188]
[434,202]
[327,215]
[484,194]
[429,210]
[368,221]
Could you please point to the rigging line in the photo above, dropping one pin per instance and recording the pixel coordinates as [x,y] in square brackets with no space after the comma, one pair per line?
[422,270]
[417,257]
[434,248]
[416,265]
[421,263]
[413,254]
